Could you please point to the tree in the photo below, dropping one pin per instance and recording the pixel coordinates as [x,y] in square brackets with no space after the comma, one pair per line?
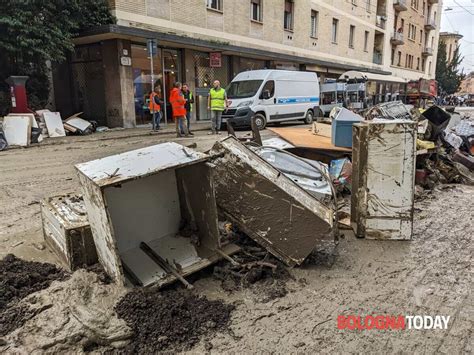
[33,32]
[448,75]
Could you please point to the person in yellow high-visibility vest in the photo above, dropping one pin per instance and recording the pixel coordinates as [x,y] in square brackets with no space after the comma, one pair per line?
[217,103]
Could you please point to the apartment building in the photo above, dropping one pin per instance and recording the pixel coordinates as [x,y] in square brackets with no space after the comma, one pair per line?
[467,85]
[451,40]
[109,75]
[414,37]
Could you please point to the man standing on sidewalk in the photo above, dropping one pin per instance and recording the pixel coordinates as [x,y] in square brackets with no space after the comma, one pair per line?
[154,106]
[177,102]
[188,96]
[216,102]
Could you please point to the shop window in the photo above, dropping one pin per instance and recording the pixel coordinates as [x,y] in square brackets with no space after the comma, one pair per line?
[256,10]
[214,4]
[288,16]
[314,23]
[143,81]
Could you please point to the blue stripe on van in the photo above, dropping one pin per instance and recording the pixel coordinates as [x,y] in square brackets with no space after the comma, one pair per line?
[296,100]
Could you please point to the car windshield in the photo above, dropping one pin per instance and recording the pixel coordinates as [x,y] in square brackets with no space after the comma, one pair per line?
[243,89]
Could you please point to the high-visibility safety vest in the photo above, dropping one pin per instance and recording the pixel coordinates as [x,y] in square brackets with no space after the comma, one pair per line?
[177,102]
[217,99]
[152,105]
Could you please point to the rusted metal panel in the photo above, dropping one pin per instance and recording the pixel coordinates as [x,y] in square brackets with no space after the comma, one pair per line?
[267,205]
[162,197]
[67,231]
[383,179]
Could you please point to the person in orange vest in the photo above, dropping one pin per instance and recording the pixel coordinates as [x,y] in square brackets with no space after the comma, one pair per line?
[178,103]
[155,106]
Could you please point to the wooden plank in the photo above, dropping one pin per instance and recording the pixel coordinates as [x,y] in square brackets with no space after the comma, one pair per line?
[303,137]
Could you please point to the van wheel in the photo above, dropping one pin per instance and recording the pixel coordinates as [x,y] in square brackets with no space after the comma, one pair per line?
[309,117]
[260,121]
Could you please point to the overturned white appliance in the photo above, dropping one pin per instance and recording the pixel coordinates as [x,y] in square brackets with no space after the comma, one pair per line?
[153,213]
[268,204]
[383,179]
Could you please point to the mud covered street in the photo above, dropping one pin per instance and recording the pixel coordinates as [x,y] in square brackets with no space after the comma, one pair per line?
[430,275]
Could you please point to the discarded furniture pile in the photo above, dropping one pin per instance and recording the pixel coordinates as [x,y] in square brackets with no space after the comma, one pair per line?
[23,129]
[154,214]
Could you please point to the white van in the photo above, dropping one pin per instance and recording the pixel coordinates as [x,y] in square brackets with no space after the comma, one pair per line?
[272,96]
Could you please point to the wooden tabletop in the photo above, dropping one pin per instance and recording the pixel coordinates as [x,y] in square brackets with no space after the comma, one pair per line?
[303,137]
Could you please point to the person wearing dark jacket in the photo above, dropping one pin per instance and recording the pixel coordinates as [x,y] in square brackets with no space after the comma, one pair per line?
[188,96]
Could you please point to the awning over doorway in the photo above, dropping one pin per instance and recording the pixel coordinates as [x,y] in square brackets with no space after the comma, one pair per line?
[365,76]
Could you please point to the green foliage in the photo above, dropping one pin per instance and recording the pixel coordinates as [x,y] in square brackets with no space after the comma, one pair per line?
[448,74]
[33,32]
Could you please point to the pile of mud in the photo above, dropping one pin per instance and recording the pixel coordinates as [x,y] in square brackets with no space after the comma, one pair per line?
[171,320]
[70,316]
[19,278]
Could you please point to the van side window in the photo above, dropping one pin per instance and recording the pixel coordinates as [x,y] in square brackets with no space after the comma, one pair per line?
[270,86]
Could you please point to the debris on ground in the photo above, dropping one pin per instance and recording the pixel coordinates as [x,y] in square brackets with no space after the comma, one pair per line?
[70,316]
[17,130]
[384,158]
[170,320]
[267,205]
[19,278]
[161,179]
[67,231]
[253,268]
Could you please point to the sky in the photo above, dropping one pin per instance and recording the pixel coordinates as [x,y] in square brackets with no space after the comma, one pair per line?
[461,19]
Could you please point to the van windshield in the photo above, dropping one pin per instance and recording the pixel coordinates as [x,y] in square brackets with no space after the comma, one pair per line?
[243,89]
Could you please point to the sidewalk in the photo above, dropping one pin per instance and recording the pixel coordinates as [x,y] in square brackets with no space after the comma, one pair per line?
[117,133]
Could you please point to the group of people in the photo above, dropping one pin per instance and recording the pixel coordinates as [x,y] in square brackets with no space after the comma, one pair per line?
[181,100]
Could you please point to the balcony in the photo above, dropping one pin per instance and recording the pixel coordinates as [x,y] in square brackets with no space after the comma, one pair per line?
[377,58]
[400,5]
[397,38]
[430,24]
[427,51]
[380,22]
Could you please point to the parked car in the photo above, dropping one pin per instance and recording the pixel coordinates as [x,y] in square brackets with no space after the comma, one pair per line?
[272,96]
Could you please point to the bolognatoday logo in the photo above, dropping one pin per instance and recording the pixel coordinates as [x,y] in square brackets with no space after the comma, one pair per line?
[400,322]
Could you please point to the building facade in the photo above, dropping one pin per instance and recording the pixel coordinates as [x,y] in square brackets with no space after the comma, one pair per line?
[451,40]
[109,75]
[467,85]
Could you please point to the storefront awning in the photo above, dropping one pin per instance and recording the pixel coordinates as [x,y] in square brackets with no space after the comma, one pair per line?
[365,76]
[169,39]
